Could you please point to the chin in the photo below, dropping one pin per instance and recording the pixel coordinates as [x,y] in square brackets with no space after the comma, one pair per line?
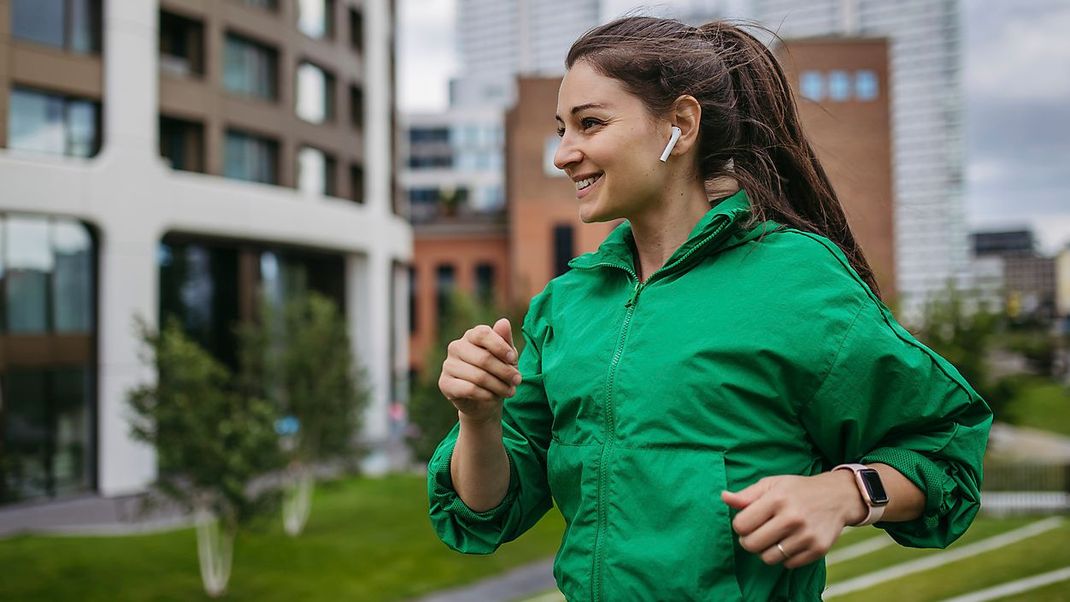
[590,214]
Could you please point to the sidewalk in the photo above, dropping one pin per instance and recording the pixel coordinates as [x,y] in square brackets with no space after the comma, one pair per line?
[518,583]
[89,515]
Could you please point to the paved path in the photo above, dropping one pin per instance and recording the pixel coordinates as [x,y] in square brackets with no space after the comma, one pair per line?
[517,583]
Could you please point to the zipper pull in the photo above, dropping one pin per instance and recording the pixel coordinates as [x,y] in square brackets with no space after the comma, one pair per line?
[635,296]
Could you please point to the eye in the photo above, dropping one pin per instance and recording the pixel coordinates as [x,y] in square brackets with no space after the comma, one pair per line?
[560,132]
[589,122]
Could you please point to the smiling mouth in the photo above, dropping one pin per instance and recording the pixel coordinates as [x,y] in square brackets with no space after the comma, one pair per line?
[587,182]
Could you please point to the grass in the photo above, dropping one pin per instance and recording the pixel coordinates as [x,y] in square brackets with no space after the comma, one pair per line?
[367,539]
[895,553]
[1040,554]
[1042,404]
[1033,556]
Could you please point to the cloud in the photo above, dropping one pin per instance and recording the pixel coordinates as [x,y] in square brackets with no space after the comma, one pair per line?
[1026,59]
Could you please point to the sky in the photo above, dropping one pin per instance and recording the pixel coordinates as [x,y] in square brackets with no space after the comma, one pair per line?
[1016,102]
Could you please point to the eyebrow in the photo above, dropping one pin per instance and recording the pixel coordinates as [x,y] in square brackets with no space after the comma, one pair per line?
[578,108]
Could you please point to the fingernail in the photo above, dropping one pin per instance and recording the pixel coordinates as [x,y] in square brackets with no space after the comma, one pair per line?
[517,379]
[511,356]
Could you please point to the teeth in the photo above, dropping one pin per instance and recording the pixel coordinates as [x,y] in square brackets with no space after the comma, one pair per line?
[587,182]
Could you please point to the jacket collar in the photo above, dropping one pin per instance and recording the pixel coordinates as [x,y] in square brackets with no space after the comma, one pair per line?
[716,230]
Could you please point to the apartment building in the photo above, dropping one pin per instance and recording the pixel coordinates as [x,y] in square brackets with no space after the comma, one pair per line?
[183,157]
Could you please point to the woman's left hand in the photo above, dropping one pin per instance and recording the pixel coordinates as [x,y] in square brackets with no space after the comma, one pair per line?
[804,515]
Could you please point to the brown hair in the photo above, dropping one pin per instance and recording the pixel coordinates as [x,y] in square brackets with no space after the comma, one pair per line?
[750,127]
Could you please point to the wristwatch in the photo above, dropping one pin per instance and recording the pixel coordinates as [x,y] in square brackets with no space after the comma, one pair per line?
[872,490]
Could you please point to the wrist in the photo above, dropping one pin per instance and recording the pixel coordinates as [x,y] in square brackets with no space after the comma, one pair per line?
[490,421]
[854,508]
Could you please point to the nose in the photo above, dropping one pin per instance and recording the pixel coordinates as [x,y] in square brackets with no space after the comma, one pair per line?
[566,153]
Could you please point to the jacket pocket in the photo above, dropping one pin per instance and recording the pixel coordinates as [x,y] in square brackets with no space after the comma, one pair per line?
[666,533]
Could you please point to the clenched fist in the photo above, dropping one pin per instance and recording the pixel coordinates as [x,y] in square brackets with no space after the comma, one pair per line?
[480,371]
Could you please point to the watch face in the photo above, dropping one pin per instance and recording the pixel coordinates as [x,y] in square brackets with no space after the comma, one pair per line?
[872,480]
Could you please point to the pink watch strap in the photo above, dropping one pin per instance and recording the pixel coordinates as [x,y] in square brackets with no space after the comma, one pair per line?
[875,511]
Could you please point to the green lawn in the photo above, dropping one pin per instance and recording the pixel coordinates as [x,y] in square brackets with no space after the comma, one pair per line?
[367,539]
[1045,552]
[1040,554]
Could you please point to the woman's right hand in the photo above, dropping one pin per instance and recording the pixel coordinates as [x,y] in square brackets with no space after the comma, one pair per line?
[480,371]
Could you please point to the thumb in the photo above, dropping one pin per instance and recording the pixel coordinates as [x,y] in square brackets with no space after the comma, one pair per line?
[505,331]
[744,497]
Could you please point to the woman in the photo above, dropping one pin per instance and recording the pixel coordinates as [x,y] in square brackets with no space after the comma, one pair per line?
[688,392]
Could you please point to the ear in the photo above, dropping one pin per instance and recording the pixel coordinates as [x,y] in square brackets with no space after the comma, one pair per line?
[686,114]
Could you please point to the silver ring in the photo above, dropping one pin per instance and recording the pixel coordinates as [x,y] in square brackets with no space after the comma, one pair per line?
[781,548]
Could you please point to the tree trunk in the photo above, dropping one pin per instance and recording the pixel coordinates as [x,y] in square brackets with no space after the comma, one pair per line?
[215,550]
[297,500]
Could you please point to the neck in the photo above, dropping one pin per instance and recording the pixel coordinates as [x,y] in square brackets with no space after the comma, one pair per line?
[665,225]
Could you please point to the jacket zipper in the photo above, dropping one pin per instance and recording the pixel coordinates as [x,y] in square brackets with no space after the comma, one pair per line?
[596,585]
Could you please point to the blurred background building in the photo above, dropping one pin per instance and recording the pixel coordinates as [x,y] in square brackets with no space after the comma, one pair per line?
[925,56]
[181,158]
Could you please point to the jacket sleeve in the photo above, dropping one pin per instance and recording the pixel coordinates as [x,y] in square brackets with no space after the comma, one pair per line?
[526,425]
[887,398]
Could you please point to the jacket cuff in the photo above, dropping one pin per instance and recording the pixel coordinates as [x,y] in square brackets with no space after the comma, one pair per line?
[936,484]
[445,496]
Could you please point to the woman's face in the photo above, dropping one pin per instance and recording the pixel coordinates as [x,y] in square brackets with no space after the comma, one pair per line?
[608,135]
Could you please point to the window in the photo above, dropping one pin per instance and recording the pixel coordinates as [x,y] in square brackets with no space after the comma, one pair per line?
[562,248]
[485,283]
[812,85]
[72,278]
[250,68]
[315,94]
[356,30]
[51,123]
[47,274]
[356,183]
[182,143]
[73,25]
[839,85]
[181,45]
[315,172]
[356,107]
[251,158]
[444,285]
[28,270]
[315,18]
[429,135]
[272,5]
[866,86]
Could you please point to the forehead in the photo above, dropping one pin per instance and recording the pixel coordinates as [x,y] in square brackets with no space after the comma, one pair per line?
[583,85]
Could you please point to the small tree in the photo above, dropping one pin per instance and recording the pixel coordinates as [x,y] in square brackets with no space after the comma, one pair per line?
[301,359]
[962,331]
[211,442]
[431,413]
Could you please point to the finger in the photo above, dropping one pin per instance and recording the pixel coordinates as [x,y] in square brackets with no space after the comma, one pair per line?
[746,496]
[505,331]
[485,337]
[801,548]
[764,539]
[459,390]
[478,376]
[481,358]
[754,515]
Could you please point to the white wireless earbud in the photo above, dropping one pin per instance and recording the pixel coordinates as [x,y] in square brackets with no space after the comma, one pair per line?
[672,144]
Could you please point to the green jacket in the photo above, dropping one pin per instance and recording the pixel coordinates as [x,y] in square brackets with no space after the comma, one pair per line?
[743,357]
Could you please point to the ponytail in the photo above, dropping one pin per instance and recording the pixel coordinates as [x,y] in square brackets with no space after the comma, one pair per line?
[750,128]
